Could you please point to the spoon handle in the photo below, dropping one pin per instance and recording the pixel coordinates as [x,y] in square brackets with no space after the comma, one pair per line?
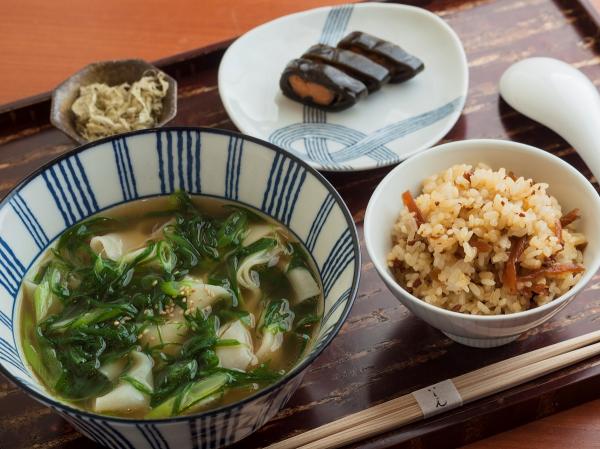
[560,97]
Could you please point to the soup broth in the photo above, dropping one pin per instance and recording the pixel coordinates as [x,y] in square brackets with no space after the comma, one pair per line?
[168,306]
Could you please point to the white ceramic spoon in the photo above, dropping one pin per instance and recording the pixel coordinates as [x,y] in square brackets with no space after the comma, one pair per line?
[560,97]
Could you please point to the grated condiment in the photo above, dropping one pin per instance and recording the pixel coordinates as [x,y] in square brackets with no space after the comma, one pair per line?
[102,110]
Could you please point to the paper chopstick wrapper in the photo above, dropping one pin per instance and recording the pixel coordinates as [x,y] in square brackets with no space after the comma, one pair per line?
[438,398]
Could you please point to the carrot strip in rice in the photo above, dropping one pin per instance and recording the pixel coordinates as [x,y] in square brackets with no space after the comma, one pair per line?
[539,289]
[412,207]
[570,217]
[558,232]
[510,270]
[552,271]
[481,246]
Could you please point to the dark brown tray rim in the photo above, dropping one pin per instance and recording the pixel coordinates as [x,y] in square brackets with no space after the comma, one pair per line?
[574,386]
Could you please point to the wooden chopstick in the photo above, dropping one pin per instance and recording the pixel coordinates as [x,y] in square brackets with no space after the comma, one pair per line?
[471,386]
[487,387]
[528,358]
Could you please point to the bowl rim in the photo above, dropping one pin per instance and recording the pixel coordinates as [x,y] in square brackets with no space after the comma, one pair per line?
[395,287]
[294,372]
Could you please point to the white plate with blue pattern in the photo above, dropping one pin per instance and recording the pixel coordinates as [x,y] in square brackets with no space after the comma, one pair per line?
[385,128]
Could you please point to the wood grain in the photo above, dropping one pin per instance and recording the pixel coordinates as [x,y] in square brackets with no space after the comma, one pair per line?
[578,427]
[382,350]
[44,42]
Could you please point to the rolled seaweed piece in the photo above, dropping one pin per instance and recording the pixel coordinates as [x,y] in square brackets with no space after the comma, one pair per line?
[402,65]
[320,85]
[370,73]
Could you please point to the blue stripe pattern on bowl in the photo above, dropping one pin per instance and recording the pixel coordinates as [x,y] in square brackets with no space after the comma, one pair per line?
[149,163]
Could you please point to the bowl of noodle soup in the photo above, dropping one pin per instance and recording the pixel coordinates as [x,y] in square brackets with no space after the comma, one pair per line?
[168,288]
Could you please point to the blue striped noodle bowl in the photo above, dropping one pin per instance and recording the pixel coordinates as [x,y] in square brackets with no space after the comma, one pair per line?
[148,163]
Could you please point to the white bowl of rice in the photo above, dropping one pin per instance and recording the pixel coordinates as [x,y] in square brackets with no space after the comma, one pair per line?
[484,239]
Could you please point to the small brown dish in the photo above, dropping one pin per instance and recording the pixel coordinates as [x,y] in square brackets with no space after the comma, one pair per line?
[111,73]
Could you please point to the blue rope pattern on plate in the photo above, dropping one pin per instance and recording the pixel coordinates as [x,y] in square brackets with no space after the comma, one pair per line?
[356,144]
[316,147]
[335,24]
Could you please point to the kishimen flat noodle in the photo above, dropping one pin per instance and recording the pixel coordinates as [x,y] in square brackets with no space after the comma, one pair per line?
[260,231]
[277,319]
[170,334]
[108,245]
[303,283]
[236,350]
[200,295]
[113,369]
[300,277]
[168,306]
[265,251]
[134,389]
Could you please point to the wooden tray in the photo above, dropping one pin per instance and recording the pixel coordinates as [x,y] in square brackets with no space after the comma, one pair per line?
[382,351]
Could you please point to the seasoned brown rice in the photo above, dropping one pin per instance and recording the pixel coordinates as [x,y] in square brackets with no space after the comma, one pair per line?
[472,218]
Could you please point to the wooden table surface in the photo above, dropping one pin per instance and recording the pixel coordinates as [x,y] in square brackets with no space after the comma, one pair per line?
[43,42]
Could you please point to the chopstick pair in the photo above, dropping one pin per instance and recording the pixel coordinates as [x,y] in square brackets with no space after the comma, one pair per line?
[446,395]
